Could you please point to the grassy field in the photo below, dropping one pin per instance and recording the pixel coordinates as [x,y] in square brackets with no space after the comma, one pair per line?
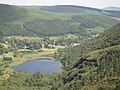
[66,36]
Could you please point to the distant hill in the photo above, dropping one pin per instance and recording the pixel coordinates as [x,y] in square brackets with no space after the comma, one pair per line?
[9,13]
[80,9]
[68,9]
[35,21]
[112,8]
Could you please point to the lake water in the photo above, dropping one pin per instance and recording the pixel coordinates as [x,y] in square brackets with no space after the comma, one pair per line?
[43,66]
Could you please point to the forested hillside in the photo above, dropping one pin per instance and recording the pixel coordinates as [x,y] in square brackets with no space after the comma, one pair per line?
[98,70]
[109,38]
[80,9]
[10,13]
[98,66]
[34,21]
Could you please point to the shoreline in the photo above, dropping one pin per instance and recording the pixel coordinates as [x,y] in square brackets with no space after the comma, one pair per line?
[20,60]
[46,54]
[9,70]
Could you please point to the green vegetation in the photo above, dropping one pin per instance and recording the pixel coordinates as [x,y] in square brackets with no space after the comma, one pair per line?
[79,9]
[52,27]
[96,68]
[37,32]
[109,38]
[34,21]
[16,50]
[38,81]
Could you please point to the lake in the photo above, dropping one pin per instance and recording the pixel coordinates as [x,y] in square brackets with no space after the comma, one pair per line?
[43,66]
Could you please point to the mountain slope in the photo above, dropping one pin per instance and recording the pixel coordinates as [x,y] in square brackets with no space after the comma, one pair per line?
[68,9]
[33,21]
[98,69]
[10,13]
[112,8]
[109,38]
[80,9]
